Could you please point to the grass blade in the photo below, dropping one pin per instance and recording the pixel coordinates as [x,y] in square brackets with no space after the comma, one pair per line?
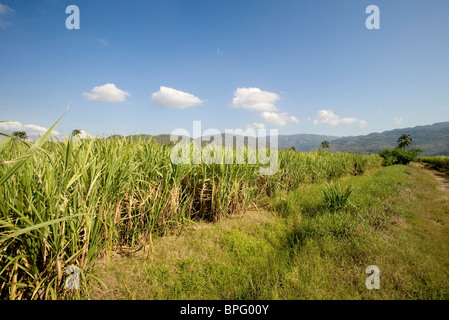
[35,146]
[38,226]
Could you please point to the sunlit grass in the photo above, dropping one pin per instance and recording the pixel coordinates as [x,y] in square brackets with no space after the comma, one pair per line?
[67,202]
[439,162]
[302,250]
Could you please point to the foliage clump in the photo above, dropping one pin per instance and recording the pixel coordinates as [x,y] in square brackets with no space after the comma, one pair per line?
[399,155]
[335,197]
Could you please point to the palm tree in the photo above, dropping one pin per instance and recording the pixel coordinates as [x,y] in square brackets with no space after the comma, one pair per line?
[76,132]
[20,134]
[404,141]
[324,145]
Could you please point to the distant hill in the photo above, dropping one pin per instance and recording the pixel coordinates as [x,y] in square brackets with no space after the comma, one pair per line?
[165,138]
[304,142]
[223,136]
[162,138]
[433,139]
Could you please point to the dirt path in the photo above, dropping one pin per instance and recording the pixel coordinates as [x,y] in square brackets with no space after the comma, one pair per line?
[440,177]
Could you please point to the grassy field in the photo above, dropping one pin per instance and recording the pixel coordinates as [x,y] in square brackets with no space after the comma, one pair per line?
[139,227]
[67,203]
[295,248]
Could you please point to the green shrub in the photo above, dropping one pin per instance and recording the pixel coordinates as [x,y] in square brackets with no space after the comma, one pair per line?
[398,156]
[335,197]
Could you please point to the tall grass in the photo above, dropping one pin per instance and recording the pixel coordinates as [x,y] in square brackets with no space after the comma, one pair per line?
[439,162]
[73,200]
[335,197]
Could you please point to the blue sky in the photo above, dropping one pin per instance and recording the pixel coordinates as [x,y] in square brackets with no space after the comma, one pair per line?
[154,66]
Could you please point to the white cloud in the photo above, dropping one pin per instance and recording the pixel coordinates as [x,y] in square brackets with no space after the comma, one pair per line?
[172,98]
[33,131]
[398,121]
[82,135]
[106,93]
[280,119]
[4,10]
[328,117]
[362,124]
[103,41]
[255,99]
[255,125]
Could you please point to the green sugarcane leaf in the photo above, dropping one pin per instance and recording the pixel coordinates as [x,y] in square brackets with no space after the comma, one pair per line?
[36,145]
[38,226]
[4,142]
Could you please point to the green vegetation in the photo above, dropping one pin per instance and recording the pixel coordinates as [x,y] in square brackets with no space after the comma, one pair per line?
[433,139]
[404,141]
[325,217]
[335,197]
[76,132]
[20,134]
[68,202]
[440,163]
[396,219]
[399,155]
[324,145]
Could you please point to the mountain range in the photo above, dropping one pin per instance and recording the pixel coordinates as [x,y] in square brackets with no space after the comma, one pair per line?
[433,139]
